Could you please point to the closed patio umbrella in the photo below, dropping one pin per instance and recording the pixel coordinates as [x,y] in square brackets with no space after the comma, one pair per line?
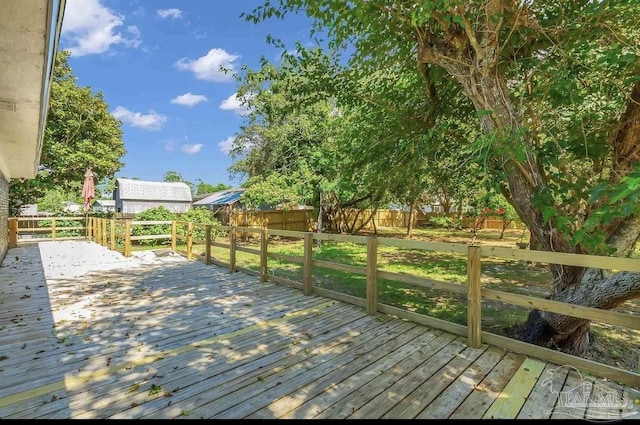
[88,193]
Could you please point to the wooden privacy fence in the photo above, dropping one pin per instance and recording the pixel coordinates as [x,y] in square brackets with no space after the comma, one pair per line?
[298,220]
[397,218]
[113,233]
[306,220]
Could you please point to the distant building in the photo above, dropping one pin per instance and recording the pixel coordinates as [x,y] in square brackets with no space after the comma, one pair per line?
[72,207]
[28,209]
[104,205]
[222,203]
[135,196]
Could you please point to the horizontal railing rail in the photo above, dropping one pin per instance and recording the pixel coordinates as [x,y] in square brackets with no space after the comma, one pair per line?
[113,233]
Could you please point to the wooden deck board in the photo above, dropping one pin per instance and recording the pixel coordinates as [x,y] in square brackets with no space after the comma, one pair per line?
[299,375]
[323,393]
[573,398]
[483,395]
[410,407]
[379,385]
[515,393]
[185,371]
[544,395]
[444,405]
[221,345]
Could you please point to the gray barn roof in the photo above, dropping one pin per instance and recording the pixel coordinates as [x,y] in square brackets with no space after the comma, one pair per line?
[153,191]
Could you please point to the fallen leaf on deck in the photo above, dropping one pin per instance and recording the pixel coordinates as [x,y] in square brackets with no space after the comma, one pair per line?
[133,388]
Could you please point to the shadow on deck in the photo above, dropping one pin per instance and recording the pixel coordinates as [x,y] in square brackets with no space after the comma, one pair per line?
[181,339]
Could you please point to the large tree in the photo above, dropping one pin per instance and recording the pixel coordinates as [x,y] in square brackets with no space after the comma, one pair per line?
[556,93]
[359,141]
[80,133]
[286,148]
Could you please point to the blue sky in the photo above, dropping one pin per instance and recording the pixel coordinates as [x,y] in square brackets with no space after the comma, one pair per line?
[157,65]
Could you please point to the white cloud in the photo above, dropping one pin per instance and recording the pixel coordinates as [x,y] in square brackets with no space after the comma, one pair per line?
[208,67]
[169,145]
[150,121]
[226,145]
[189,99]
[91,28]
[139,12]
[200,34]
[191,149]
[169,13]
[234,103]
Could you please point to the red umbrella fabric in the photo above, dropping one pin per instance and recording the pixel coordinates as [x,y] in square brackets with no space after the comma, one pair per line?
[88,189]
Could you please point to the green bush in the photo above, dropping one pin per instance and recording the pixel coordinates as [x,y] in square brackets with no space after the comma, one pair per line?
[444,221]
[154,214]
[202,216]
[60,225]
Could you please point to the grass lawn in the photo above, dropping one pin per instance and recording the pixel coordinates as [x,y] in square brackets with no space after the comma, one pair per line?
[609,344]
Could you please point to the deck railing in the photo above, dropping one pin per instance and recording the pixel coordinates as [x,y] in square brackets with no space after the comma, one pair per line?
[117,234]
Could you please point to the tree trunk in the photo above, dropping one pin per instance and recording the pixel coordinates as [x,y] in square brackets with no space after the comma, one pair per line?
[472,60]
[410,221]
[570,334]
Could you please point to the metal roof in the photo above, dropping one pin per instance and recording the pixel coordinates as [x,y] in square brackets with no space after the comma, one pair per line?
[224,197]
[153,191]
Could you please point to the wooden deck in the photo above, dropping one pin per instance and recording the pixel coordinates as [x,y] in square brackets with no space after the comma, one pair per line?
[185,340]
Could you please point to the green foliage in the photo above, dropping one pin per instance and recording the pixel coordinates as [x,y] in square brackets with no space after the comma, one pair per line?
[173,176]
[202,216]
[80,132]
[540,106]
[154,214]
[61,232]
[53,202]
[202,188]
[445,221]
[275,189]
[105,188]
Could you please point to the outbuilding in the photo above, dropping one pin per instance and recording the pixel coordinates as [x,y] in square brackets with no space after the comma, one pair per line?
[135,196]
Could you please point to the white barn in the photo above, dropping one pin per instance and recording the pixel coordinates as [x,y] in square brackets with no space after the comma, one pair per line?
[135,196]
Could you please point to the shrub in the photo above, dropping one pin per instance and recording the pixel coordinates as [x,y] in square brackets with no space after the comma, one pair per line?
[202,216]
[154,214]
[444,221]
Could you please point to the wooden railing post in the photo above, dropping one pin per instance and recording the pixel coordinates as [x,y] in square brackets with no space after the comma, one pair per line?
[53,228]
[372,271]
[232,249]
[174,236]
[189,240]
[474,298]
[13,232]
[127,238]
[207,246]
[98,230]
[112,235]
[90,228]
[104,231]
[307,265]
[263,255]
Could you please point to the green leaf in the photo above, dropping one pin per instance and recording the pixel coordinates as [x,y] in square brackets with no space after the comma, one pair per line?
[548,213]
[155,389]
